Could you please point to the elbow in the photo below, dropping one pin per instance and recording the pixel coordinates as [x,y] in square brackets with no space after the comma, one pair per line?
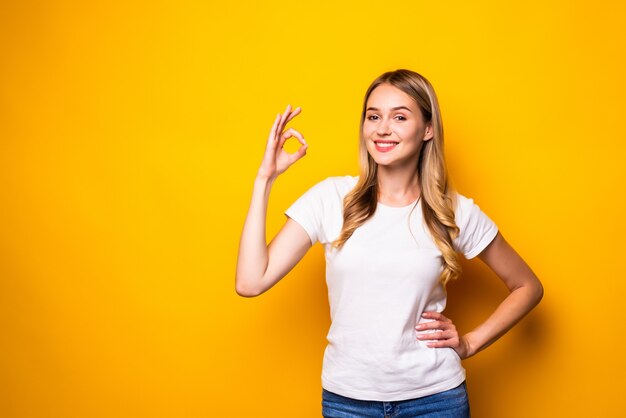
[533,290]
[538,291]
[244,290]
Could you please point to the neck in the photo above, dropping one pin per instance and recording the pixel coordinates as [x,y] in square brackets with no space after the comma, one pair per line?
[398,185]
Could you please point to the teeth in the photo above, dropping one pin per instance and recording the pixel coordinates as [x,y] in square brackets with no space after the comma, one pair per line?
[386,144]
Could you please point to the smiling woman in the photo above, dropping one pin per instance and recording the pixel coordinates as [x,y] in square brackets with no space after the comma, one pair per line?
[401,128]
[393,237]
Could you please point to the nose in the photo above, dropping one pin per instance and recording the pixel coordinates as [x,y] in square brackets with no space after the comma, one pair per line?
[383,128]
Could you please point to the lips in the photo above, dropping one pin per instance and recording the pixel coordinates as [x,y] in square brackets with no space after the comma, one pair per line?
[385,146]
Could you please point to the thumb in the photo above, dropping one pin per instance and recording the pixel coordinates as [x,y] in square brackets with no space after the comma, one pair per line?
[301,152]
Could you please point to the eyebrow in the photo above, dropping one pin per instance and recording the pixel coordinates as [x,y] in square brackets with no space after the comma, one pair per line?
[393,108]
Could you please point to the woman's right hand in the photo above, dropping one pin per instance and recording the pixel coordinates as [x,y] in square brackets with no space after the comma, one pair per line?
[276,160]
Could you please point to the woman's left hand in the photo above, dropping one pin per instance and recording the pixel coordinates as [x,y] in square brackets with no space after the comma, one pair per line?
[445,336]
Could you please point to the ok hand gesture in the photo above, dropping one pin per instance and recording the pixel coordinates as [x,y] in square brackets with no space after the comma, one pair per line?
[276,160]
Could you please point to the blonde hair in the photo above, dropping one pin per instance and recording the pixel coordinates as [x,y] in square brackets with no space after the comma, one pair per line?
[438,197]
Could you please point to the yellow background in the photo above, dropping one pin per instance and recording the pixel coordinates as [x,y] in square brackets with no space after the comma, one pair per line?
[130,135]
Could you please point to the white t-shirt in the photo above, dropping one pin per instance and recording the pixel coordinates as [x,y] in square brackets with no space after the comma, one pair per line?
[379,283]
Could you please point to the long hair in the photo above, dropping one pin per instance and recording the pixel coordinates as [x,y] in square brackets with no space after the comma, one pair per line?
[438,198]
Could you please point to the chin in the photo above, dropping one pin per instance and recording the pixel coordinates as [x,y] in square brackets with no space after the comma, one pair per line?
[382,161]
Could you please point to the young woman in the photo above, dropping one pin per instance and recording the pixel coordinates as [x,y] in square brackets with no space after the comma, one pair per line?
[392,238]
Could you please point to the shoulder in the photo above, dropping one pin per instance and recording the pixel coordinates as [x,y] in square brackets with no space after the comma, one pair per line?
[476,229]
[469,215]
[465,208]
[346,180]
[342,182]
[328,192]
[340,185]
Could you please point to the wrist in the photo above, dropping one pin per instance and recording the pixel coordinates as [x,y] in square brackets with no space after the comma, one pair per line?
[471,345]
[264,179]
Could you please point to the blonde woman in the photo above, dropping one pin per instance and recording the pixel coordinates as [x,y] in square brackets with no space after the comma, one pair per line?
[393,237]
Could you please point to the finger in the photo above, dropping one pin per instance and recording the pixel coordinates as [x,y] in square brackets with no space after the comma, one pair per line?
[433,325]
[437,335]
[288,134]
[435,315]
[283,119]
[286,117]
[271,140]
[450,342]
[293,132]
[293,114]
[443,343]
[301,152]
[279,126]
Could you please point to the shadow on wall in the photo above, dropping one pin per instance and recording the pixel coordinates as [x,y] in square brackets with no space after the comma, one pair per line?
[512,358]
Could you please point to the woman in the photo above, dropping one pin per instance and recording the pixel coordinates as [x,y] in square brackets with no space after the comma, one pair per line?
[392,237]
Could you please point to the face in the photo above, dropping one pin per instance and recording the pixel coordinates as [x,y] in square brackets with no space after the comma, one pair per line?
[393,128]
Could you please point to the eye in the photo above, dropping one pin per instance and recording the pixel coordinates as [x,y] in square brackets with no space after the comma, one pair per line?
[403,118]
[371,116]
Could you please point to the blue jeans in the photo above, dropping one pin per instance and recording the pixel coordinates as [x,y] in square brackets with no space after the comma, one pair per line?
[451,403]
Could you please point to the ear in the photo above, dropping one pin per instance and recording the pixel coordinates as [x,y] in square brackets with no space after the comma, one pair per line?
[430,132]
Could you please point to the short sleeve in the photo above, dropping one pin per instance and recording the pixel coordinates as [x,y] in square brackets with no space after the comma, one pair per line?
[308,210]
[477,230]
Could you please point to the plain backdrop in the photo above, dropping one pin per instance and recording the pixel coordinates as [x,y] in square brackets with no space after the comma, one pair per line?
[130,135]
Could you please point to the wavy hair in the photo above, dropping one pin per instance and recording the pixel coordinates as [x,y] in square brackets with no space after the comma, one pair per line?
[438,197]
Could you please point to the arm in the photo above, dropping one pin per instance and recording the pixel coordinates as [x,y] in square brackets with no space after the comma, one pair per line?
[259,266]
[525,293]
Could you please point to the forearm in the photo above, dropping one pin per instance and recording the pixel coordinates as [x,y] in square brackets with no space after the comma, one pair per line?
[512,309]
[252,259]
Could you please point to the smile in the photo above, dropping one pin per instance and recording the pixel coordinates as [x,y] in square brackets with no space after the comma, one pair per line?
[385,146]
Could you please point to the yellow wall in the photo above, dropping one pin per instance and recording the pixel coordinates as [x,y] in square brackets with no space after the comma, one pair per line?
[130,134]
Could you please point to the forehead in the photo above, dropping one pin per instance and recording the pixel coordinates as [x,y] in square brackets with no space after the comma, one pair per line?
[386,96]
